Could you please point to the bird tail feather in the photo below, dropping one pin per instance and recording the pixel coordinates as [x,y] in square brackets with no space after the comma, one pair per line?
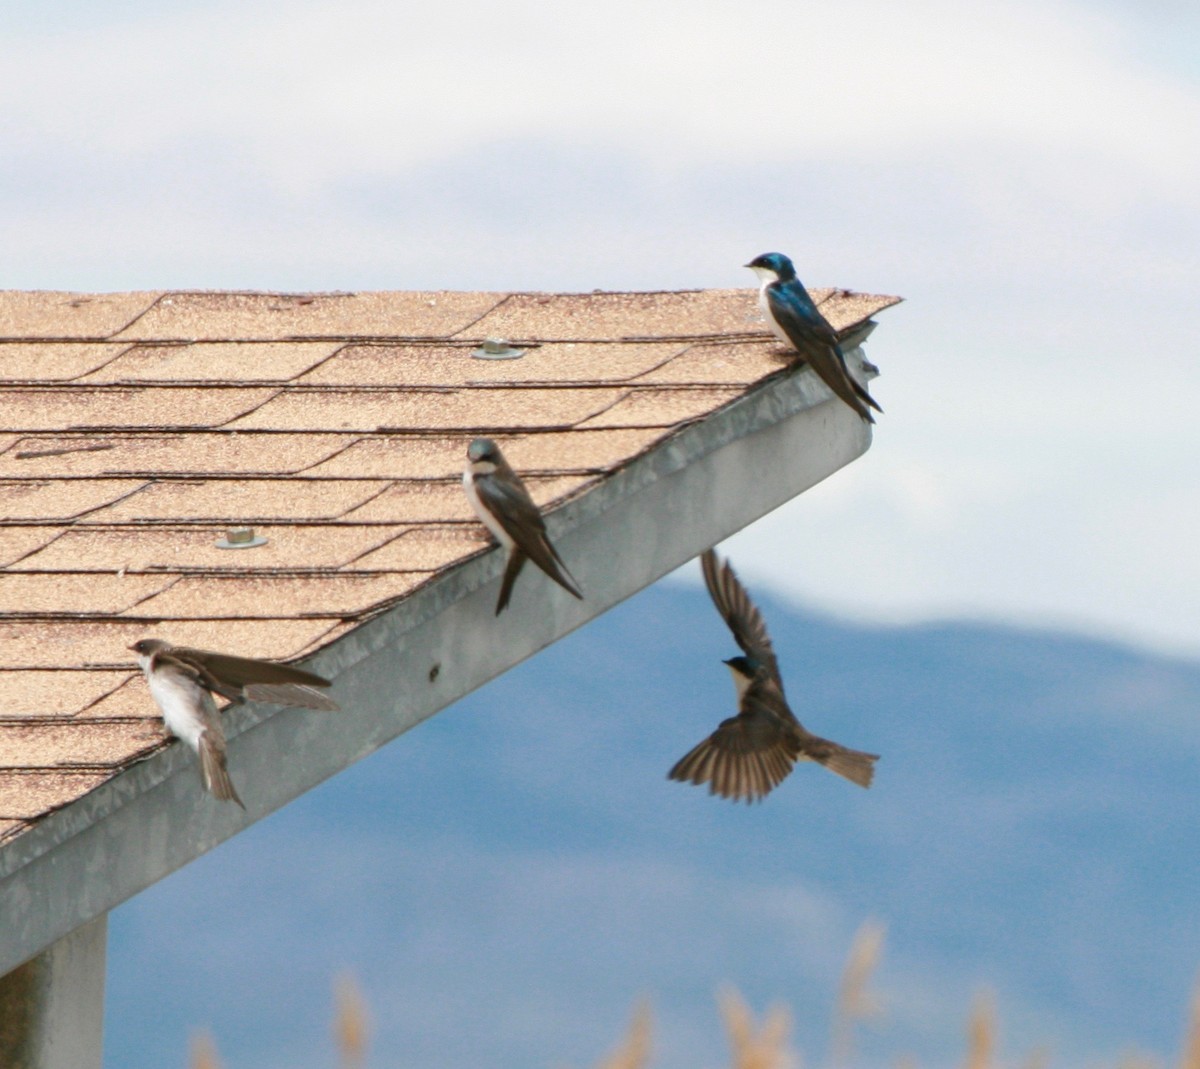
[512,568]
[214,770]
[856,766]
[559,573]
[861,390]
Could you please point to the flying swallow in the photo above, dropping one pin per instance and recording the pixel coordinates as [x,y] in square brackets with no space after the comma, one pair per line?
[183,681]
[505,508]
[752,753]
[797,322]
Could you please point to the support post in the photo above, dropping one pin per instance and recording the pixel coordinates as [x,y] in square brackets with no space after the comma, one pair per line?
[52,1007]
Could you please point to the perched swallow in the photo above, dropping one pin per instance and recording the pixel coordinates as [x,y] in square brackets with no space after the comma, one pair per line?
[753,752]
[505,508]
[796,322]
[183,681]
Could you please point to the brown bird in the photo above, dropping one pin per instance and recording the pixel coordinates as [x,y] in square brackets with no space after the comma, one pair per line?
[752,753]
[505,508]
[183,681]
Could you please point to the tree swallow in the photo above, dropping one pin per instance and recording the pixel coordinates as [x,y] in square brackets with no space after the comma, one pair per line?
[505,508]
[753,752]
[797,323]
[182,682]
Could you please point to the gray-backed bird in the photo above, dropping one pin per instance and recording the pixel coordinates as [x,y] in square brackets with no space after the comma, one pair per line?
[505,508]
[183,681]
[752,753]
[796,321]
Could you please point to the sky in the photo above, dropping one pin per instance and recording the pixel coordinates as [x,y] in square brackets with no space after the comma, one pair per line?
[1022,173]
[511,876]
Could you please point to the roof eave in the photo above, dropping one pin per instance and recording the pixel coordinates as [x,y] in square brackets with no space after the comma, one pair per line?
[688,493]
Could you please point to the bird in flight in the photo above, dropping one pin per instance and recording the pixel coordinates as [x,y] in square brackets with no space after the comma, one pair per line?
[752,753]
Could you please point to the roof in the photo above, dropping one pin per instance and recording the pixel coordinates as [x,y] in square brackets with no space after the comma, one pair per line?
[139,427]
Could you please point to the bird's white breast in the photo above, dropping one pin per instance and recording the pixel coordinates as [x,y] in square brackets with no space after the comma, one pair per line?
[485,517]
[767,278]
[187,708]
[740,682]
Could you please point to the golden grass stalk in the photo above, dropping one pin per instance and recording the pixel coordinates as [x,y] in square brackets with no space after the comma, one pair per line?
[768,1049]
[351,1022]
[751,1047]
[204,1052]
[856,1001]
[634,1052]
[1190,1059]
[981,1032]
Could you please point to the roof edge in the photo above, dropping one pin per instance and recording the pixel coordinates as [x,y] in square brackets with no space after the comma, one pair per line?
[672,502]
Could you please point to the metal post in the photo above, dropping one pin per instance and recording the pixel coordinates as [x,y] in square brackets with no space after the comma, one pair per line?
[52,1007]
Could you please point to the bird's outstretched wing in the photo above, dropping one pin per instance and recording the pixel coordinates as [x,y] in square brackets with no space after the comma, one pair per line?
[168,660]
[749,754]
[245,677]
[505,497]
[740,614]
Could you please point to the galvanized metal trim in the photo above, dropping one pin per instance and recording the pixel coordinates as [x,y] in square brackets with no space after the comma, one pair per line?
[700,486]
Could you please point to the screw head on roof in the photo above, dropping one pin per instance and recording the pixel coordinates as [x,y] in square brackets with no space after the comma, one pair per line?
[240,538]
[496,349]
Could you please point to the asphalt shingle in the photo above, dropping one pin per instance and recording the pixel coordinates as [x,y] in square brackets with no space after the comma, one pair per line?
[140,426]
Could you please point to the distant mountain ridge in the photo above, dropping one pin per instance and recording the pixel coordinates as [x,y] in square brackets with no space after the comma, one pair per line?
[509,877]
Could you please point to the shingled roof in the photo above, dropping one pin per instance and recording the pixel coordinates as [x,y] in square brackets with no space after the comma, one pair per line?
[138,427]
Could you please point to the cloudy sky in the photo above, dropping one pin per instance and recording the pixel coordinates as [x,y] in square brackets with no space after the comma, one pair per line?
[1023,173]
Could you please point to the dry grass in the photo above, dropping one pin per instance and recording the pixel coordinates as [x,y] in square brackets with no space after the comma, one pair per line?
[752,1045]
[204,1052]
[1190,1059]
[981,1032]
[857,1003]
[765,1048]
[634,1051]
[351,1022]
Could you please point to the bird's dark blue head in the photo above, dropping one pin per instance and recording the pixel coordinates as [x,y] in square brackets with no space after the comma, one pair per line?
[773,263]
[743,666]
[483,449]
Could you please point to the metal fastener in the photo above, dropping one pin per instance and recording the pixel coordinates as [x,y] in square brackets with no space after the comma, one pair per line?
[496,349]
[240,538]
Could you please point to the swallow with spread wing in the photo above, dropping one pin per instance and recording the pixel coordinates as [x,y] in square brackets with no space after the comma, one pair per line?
[752,753]
[183,681]
[797,322]
[505,508]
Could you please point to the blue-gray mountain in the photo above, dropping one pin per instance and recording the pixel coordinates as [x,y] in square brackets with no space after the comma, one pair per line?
[508,878]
